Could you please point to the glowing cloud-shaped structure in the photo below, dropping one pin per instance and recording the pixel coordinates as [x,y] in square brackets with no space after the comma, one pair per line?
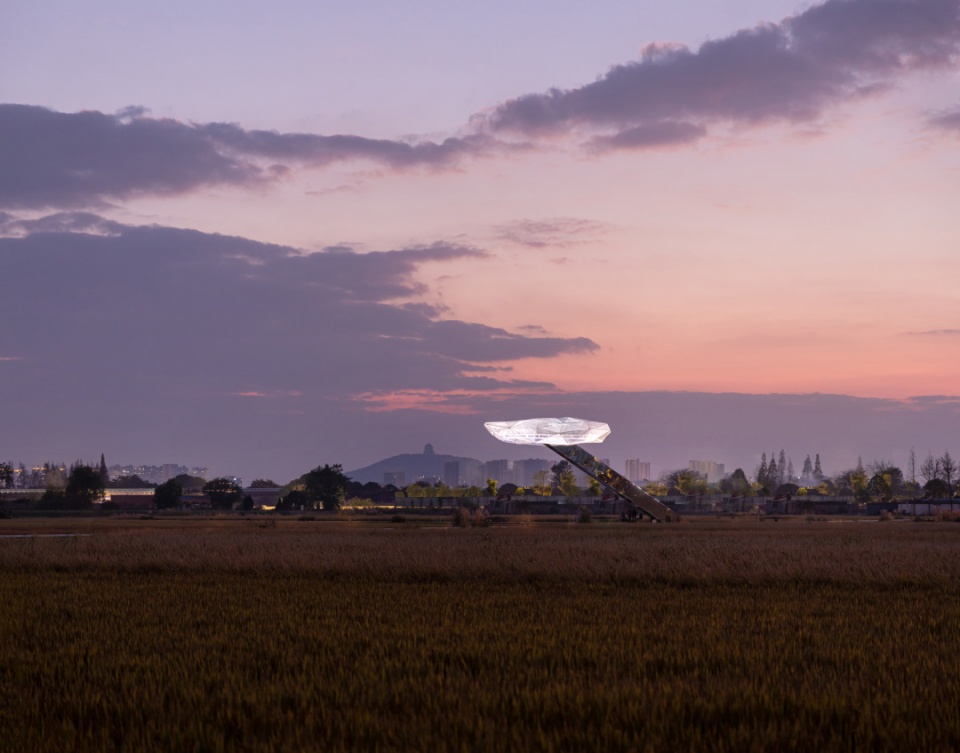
[548,431]
[562,435]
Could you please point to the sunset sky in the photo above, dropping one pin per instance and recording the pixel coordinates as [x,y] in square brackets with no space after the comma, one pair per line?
[261,237]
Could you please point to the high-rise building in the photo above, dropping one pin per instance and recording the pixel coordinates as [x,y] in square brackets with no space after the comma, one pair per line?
[525,470]
[463,472]
[711,470]
[396,478]
[500,471]
[471,473]
[451,473]
[638,470]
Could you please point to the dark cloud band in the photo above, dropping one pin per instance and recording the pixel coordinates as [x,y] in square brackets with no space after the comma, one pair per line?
[52,159]
[791,71]
[328,323]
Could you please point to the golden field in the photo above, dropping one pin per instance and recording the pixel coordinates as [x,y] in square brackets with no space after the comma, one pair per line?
[346,634]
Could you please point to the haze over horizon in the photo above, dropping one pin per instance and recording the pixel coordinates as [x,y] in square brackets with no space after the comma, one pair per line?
[262,239]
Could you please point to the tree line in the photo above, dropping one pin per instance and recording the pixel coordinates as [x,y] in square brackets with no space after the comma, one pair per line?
[327,487]
[879,480]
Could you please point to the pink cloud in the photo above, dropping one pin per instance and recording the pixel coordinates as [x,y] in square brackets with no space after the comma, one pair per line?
[456,401]
[267,393]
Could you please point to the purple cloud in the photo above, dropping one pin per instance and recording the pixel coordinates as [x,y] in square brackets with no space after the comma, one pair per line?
[52,159]
[60,222]
[947,121]
[651,136]
[550,233]
[322,150]
[925,400]
[121,336]
[792,71]
[156,344]
[334,322]
[937,333]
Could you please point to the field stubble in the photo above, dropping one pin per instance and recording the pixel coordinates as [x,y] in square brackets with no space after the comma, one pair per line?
[238,635]
[702,552]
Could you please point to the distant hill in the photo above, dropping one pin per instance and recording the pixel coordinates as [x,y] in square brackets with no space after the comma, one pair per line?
[426,465]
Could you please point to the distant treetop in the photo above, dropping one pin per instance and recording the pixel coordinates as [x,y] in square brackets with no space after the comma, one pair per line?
[189,482]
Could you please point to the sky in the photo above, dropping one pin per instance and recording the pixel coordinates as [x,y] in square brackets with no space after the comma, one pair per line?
[260,238]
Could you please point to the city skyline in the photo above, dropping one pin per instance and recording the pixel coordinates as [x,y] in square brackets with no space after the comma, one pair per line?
[333,233]
[461,471]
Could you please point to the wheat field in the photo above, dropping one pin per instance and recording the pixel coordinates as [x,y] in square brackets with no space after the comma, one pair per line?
[250,634]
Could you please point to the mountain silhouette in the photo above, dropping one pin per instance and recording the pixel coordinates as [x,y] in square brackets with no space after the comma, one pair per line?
[427,465]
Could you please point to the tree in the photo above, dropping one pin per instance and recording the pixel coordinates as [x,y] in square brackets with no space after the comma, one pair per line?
[224,493]
[593,488]
[168,495]
[491,488]
[296,499]
[737,483]
[817,470]
[862,490]
[686,482]
[541,483]
[130,482]
[84,487]
[856,481]
[886,482]
[762,471]
[930,468]
[6,475]
[937,488]
[806,475]
[656,488]
[912,462]
[54,476]
[782,468]
[328,485]
[911,489]
[54,499]
[190,482]
[421,488]
[561,476]
[264,483]
[948,467]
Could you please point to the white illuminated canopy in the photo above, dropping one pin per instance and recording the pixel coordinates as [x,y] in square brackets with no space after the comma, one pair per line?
[557,431]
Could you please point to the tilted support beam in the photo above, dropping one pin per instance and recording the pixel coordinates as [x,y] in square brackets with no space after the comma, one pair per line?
[647,504]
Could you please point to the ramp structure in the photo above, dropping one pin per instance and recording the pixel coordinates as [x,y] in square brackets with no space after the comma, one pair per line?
[561,435]
[619,485]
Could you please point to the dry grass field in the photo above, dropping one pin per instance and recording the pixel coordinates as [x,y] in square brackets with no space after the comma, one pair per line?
[251,634]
